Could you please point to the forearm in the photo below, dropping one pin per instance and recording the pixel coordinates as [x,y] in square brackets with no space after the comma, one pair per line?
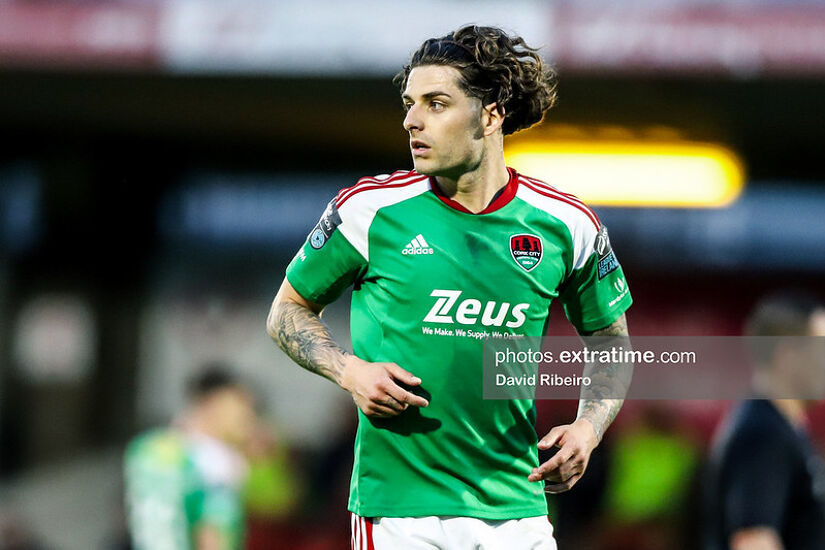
[305,338]
[600,413]
[601,401]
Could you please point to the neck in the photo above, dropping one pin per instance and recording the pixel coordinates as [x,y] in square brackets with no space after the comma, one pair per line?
[773,386]
[792,409]
[476,188]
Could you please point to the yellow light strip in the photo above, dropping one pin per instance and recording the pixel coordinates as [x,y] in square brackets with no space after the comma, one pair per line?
[627,173]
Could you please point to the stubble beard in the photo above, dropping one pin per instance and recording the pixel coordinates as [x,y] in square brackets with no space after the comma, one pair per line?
[443,169]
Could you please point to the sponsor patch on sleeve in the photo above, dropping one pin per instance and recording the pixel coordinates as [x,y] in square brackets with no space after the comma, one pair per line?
[607,259]
[323,230]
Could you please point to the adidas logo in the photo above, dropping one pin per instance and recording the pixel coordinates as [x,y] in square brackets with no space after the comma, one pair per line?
[417,246]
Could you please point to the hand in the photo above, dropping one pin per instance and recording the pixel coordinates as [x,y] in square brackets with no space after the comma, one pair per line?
[374,387]
[575,442]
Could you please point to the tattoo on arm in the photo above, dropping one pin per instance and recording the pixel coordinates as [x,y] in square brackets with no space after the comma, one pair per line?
[304,337]
[600,402]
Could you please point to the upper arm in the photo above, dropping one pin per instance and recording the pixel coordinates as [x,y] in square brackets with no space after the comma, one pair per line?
[288,295]
[322,268]
[595,294]
[325,265]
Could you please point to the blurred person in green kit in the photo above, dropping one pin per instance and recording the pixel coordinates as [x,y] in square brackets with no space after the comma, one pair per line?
[185,482]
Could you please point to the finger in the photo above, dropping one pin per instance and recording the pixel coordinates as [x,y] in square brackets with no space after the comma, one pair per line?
[376,410]
[562,473]
[404,376]
[393,403]
[556,475]
[554,488]
[554,465]
[552,437]
[572,467]
[404,397]
[380,396]
[385,401]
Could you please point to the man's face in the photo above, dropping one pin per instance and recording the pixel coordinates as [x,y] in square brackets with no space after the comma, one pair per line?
[444,123]
[817,324]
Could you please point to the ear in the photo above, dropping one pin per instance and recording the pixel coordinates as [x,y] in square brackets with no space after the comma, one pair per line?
[492,117]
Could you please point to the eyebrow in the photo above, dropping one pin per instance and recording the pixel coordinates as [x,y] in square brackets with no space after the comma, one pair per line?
[429,95]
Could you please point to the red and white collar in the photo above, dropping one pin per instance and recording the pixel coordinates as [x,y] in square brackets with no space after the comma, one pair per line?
[504,196]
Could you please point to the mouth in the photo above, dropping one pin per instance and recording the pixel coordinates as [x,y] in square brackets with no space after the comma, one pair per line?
[418,147]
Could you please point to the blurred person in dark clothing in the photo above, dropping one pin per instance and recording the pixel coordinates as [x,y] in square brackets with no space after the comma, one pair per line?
[766,488]
[184,483]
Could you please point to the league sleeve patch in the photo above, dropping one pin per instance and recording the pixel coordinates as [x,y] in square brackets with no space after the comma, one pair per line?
[607,259]
[323,230]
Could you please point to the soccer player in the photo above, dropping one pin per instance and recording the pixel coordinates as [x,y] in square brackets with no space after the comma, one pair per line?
[184,483]
[460,246]
[766,486]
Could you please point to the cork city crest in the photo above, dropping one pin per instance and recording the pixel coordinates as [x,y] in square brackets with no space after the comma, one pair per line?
[526,250]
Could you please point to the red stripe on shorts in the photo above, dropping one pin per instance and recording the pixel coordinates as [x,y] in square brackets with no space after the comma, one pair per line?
[370,545]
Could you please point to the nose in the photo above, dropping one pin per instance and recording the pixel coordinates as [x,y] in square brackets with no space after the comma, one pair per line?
[412,120]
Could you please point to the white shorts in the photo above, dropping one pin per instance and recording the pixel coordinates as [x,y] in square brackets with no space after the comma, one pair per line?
[451,533]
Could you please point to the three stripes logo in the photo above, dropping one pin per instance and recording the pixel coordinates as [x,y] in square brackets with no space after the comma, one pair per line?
[417,246]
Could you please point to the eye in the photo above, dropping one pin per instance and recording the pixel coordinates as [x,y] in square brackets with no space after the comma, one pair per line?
[437,106]
[407,105]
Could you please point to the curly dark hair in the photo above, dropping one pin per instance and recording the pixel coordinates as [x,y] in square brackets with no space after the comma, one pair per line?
[496,68]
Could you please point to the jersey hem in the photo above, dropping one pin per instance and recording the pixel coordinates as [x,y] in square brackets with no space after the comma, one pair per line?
[489,514]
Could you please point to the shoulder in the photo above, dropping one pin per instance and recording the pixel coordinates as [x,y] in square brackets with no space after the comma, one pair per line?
[354,208]
[754,429]
[163,447]
[381,190]
[581,222]
[754,415]
[566,207]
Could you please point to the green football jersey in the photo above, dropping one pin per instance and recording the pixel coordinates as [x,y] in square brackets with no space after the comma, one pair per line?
[175,484]
[430,278]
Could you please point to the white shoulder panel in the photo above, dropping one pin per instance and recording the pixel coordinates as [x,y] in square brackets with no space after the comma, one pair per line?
[580,221]
[359,204]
